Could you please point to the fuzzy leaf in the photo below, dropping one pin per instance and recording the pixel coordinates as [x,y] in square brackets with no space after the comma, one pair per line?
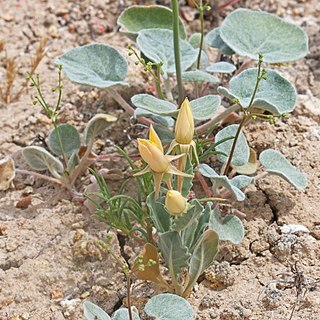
[174,252]
[276,94]
[241,181]
[251,166]
[242,151]
[157,45]
[249,33]
[230,228]
[96,126]
[96,65]
[275,163]
[93,312]
[123,314]
[70,139]
[7,173]
[214,40]
[167,306]
[73,161]
[40,159]
[137,18]
[162,120]
[199,76]
[205,107]
[221,67]
[195,40]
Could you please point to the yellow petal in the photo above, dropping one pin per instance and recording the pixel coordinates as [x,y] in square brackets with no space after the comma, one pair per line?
[175,203]
[153,137]
[184,129]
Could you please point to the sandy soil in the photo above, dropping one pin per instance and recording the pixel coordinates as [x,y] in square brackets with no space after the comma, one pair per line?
[49,258]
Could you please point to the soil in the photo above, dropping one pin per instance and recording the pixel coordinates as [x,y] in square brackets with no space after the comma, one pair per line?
[50,262]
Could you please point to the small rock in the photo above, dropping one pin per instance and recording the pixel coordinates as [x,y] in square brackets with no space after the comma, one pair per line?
[294,229]
[85,294]
[69,306]
[56,294]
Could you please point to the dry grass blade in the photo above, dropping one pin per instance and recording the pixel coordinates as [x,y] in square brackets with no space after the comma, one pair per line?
[10,76]
[2,45]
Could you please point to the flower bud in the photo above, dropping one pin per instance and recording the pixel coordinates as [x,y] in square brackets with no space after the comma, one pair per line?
[153,156]
[175,203]
[184,129]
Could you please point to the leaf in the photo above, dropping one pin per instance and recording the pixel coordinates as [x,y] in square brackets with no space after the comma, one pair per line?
[96,65]
[149,272]
[275,94]
[221,67]
[275,163]
[205,107]
[123,314]
[96,126]
[40,159]
[242,151]
[93,312]
[221,181]
[174,253]
[241,181]
[187,218]
[203,255]
[251,166]
[250,32]
[167,306]
[70,139]
[137,18]
[73,161]
[195,40]
[157,45]
[154,105]
[214,40]
[162,120]
[7,173]
[158,213]
[199,76]
[230,228]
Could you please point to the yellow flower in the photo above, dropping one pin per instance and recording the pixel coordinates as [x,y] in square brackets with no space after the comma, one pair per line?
[184,129]
[151,151]
[175,203]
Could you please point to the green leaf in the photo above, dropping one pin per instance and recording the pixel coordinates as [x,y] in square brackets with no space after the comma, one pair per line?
[158,213]
[205,107]
[275,94]
[203,255]
[275,163]
[250,32]
[73,161]
[230,228]
[40,159]
[167,306]
[157,45]
[195,40]
[174,253]
[221,67]
[242,151]
[187,182]
[93,312]
[96,126]
[123,314]
[137,18]
[241,181]
[251,166]
[164,121]
[214,40]
[221,181]
[199,76]
[96,65]
[70,139]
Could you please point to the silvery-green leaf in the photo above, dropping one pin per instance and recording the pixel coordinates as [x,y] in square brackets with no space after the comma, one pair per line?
[167,306]
[250,32]
[203,255]
[251,166]
[221,67]
[274,162]
[241,181]
[199,76]
[40,159]
[242,151]
[164,121]
[96,126]
[174,253]
[157,45]
[93,312]
[204,61]
[214,40]
[73,161]
[205,107]
[195,40]
[137,18]
[275,94]
[230,228]
[154,105]
[96,65]
[221,181]
[123,314]
[165,134]
[70,139]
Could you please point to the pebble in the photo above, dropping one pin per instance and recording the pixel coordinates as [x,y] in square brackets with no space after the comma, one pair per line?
[294,229]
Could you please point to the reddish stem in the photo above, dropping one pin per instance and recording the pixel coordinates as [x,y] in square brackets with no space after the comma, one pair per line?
[204,185]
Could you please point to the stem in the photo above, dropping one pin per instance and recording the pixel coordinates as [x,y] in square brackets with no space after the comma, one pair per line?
[180,178]
[168,89]
[129,296]
[169,185]
[176,39]
[39,175]
[200,8]
[204,185]
[158,82]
